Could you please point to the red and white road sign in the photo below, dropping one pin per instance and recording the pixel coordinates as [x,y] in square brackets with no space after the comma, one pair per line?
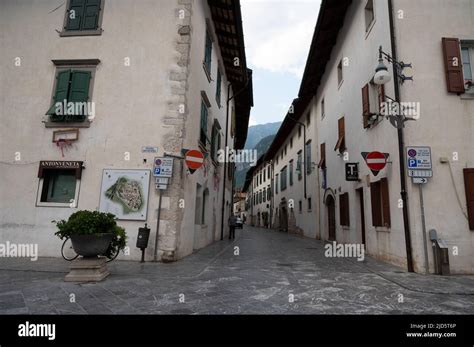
[376,161]
[194,159]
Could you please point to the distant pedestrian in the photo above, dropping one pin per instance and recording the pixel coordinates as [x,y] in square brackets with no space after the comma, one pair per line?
[232,224]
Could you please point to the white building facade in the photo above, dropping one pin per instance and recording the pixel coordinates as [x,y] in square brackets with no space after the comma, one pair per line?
[160,80]
[345,110]
[259,193]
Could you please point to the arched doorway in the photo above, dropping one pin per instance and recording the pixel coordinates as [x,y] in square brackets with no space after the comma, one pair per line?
[283,219]
[331,208]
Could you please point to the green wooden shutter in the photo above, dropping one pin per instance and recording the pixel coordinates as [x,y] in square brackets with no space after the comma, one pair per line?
[208,52]
[79,90]
[203,135]
[76,7]
[218,87]
[91,15]
[80,81]
[62,89]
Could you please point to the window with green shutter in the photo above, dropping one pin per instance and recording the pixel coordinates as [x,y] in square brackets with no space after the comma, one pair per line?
[203,132]
[299,165]
[71,96]
[208,53]
[283,178]
[83,15]
[61,93]
[291,172]
[308,163]
[218,88]
[215,141]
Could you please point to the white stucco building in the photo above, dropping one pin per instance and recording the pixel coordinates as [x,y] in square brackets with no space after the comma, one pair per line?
[161,78]
[258,184]
[341,108]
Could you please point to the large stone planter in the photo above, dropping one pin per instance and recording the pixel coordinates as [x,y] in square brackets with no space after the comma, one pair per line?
[87,270]
[91,246]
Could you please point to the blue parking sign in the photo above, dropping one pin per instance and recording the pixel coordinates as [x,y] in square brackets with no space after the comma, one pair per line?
[412,163]
[157,171]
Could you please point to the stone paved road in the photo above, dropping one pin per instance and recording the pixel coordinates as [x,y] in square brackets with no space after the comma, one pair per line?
[271,268]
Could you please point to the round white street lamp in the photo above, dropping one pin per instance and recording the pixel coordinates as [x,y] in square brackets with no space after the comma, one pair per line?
[382,75]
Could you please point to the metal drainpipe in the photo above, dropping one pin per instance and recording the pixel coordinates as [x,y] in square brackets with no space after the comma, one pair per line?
[401,145]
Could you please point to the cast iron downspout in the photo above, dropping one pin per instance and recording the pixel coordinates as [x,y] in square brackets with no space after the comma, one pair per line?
[401,145]
[226,141]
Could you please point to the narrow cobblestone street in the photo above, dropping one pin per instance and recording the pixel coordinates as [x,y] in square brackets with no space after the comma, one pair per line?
[271,269]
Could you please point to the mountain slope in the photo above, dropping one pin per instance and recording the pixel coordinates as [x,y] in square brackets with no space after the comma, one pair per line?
[259,131]
[259,138]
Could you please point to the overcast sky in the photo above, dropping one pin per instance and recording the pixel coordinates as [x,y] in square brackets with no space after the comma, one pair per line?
[277,38]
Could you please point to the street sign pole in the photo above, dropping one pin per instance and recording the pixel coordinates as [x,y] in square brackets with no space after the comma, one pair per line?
[423,225]
[155,255]
[420,168]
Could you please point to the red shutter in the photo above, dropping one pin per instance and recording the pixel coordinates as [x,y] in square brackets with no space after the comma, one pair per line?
[469,188]
[344,209]
[375,202]
[322,161]
[385,202]
[342,212]
[453,65]
[342,133]
[365,105]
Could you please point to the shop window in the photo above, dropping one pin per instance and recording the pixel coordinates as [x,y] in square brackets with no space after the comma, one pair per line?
[59,183]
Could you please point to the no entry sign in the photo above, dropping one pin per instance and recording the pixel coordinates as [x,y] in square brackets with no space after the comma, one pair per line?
[376,161]
[194,159]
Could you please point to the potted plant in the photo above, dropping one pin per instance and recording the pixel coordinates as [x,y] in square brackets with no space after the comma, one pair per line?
[93,233]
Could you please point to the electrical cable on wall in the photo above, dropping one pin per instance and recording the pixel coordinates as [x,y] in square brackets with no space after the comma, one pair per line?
[456,191]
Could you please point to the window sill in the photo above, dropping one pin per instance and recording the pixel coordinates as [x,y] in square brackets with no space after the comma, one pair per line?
[376,122]
[346,227]
[207,72]
[49,124]
[54,204]
[382,229]
[66,33]
[468,95]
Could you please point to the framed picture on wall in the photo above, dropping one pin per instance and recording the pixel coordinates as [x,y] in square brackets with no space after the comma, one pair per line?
[125,193]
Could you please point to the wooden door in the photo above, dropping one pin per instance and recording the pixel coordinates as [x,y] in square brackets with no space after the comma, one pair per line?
[331,206]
